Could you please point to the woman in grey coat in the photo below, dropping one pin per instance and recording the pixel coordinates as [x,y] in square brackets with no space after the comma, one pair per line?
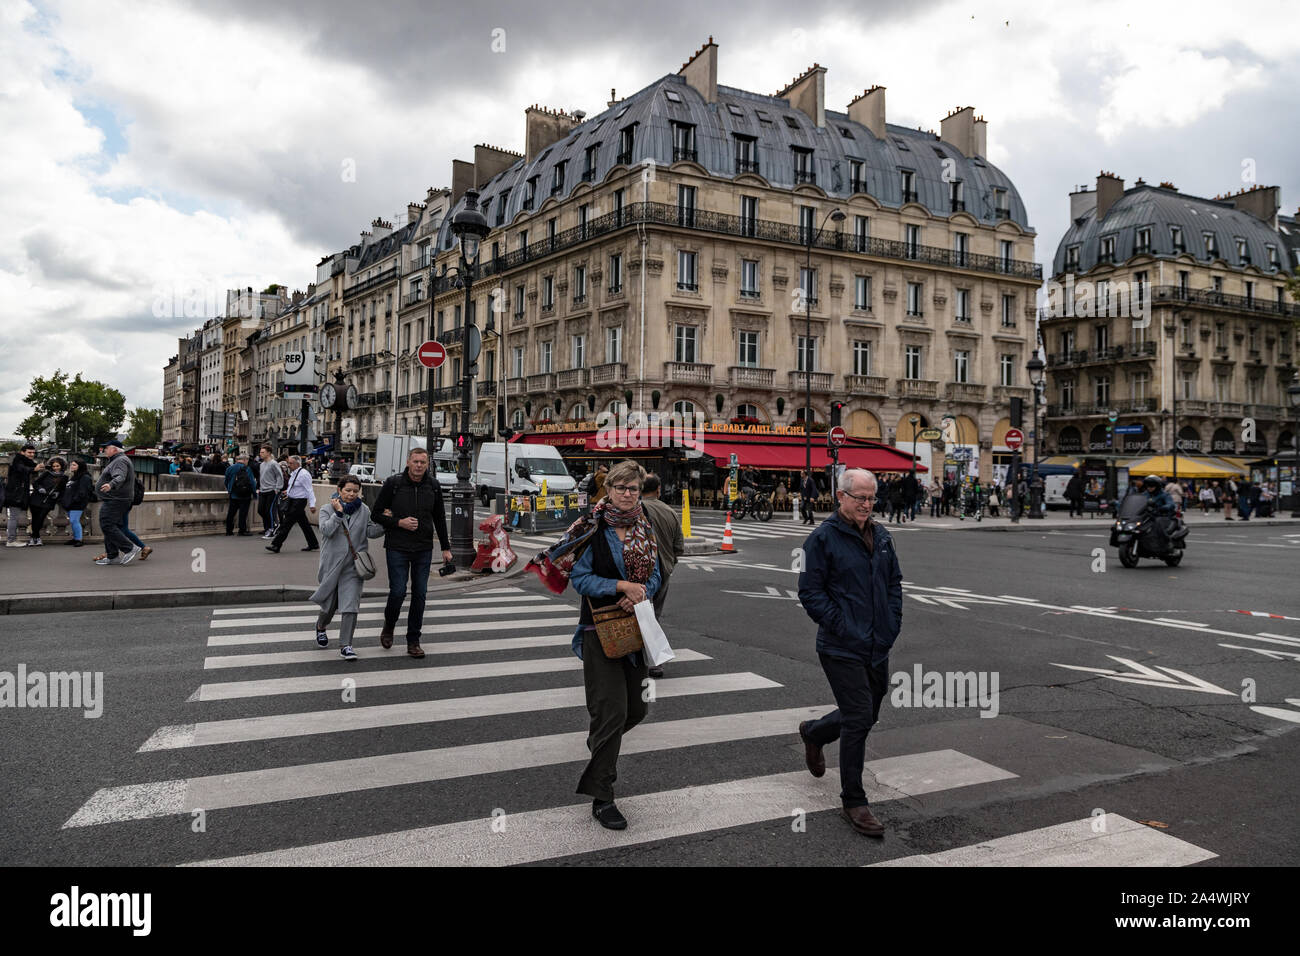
[346,518]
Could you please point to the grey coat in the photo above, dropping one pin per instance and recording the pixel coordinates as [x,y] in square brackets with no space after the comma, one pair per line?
[336,571]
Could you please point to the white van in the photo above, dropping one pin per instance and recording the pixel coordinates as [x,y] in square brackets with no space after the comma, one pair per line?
[529,464]
[443,463]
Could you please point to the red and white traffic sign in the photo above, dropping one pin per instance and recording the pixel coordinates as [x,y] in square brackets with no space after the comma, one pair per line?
[1015,438]
[837,436]
[431,354]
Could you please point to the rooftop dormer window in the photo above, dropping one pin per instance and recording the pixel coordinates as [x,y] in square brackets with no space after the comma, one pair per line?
[736,111]
[763,117]
[1176,238]
[673,96]
[791,122]
[1143,240]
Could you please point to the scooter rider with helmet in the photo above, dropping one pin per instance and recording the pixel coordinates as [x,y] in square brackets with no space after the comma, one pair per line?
[1162,505]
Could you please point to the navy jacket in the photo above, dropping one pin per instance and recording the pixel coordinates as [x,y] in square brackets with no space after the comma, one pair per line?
[856,597]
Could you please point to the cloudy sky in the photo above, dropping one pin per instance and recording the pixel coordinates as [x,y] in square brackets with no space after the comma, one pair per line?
[157,147]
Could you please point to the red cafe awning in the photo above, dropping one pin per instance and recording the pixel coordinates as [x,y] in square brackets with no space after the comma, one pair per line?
[786,456]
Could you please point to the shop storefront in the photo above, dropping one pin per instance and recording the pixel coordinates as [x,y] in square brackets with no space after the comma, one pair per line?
[700,459]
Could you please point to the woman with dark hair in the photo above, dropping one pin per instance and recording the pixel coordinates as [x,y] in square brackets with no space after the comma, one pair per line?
[78,493]
[47,487]
[345,530]
[611,558]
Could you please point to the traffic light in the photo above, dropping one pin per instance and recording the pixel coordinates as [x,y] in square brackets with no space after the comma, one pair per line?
[836,408]
[464,442]
[1017,412]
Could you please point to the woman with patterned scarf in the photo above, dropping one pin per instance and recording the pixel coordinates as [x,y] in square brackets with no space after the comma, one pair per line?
[610,557]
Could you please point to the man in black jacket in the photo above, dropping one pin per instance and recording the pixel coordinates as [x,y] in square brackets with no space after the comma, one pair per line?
[410,507]
[18,487]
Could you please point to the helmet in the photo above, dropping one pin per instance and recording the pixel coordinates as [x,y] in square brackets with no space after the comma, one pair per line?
[1152,481]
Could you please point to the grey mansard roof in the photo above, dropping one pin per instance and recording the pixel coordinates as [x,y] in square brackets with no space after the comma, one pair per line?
[1160,208]
[716,123]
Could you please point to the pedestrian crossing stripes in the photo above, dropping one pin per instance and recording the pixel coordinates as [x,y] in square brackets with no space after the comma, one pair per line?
[565,831]
[501,653]
[1111,840]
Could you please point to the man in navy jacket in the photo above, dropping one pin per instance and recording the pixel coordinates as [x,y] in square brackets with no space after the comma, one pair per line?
[852,587]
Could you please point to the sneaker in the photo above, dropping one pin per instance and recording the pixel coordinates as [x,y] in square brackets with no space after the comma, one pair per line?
[33,543]
[70,542]
[347,653]
[14,544]
[131,555]
[106,560]
[322,638]
[78,543]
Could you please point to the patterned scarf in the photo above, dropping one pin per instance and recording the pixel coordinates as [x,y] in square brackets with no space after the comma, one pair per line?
[640,551]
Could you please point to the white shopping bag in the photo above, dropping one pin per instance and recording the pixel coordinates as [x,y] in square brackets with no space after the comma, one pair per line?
[652,635]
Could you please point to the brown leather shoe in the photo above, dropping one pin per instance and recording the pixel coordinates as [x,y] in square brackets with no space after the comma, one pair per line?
[812,753]
[415,650]
[386,638]
[863,820]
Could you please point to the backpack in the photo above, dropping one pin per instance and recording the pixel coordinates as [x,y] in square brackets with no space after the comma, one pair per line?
[138,497]
[242,487]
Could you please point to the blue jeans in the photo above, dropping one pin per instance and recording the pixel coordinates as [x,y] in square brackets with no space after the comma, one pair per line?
[416,564]
[74,524]
[130,535]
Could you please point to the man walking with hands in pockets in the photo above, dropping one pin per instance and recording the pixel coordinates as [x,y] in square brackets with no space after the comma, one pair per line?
[852,587]
[410,508]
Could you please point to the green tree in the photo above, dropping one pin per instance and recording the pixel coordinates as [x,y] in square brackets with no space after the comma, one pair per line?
[144,427]
[83,411]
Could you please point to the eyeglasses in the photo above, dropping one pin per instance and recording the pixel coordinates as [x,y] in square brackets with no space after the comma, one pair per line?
[625,489]
[861,499]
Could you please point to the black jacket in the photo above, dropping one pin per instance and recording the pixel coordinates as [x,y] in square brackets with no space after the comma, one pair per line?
[78,492]
[406,499]
[18,484]
[47,488]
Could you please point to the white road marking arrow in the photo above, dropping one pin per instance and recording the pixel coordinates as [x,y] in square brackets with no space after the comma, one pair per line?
[1292,715]
[769,592]
[1152,678]
[1276,655]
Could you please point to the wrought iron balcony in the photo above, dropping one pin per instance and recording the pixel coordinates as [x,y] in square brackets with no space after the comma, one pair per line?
[909,195]
[685,153]
[412,297]
[362,361]
[365,398]
[1210,298]
[746,166]
[384,398]
[805,176]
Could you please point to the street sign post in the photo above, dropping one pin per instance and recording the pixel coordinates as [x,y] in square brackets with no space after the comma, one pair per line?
[1014,438]
[836,437]
[431,354]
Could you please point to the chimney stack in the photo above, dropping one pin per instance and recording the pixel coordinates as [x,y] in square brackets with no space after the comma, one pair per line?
[413,210]
[958,130]
[869,110]
[1109,190]
[701,72]
[462,178]
[807,93]
[380,228]
[1082,201]
[542,127]
[1262,202]
[491,160]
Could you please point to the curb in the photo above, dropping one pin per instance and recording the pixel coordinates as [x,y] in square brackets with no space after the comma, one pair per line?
[209,597]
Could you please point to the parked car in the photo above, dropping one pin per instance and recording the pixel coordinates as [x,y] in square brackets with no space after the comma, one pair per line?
[365,472]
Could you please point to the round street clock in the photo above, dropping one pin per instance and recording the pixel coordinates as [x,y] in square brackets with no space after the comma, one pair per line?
[328,395]
[353,399]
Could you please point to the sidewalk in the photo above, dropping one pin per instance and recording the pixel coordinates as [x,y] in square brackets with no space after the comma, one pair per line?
[1054,520]
[187,572]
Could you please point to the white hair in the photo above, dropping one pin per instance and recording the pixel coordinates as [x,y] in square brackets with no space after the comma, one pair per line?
[296,458]
[845,482]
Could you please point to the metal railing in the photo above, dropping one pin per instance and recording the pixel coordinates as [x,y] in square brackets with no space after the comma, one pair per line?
[1208,297]
[386,276]
[746,165]
[700,220]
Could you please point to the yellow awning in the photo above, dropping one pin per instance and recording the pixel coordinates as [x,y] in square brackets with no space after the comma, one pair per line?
[1061,460]
[1163,465]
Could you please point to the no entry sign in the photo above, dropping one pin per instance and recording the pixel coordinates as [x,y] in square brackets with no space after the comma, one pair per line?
[431,354]
[1015,438]
[837,436]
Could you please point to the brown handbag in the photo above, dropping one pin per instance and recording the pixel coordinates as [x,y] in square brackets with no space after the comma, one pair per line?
[618,630]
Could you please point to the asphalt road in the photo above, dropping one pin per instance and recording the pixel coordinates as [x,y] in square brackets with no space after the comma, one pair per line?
[1118,705]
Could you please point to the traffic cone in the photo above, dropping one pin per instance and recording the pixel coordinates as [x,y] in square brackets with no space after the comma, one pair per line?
[727,543]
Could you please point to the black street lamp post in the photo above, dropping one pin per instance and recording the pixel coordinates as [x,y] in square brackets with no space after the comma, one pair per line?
[809,239]
[469,226]
[1035,366]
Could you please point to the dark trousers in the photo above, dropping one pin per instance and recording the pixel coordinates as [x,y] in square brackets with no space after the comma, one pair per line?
[266,509]
[38,521]
[296,514]
[859,689]
[416,565]
[934,507]
[112,514]
[240,506]
[615,704]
